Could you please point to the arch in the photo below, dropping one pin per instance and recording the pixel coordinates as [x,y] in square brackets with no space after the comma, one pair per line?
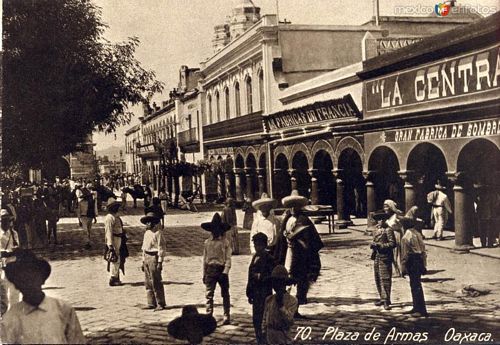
[57,167]
[479,159]
[281,149]
[250,151]
[300,165]
[227,104]
[262,160]
[387,183]
[281,178]
[239,162]
[350,142]
[350,165]
[301,147]
[323,145]
[260,74]
[237,98]
[323,164]
[239,151]
[250,161]
[249,94]
[217,105]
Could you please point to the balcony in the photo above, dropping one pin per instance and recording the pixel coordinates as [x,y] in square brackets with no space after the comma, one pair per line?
[242,125]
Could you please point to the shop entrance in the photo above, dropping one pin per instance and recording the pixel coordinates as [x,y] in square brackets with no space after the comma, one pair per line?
[327,190]
[281,185]
[354,183]
[262,174]
[387,183]
[300,165]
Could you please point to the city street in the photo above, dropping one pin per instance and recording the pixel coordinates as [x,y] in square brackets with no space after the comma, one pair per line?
[341,300]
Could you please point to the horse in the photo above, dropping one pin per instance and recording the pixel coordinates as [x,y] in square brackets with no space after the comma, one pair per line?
[103,194]
[137,192]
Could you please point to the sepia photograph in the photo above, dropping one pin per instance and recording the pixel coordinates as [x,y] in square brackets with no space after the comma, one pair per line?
[250,172]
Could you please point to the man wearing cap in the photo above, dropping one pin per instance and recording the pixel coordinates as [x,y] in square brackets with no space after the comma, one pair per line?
[279,309]
[441,209]
[9,241]
[113,232]
[259,283]
[37,319]
[265,222]
[153,252]
[299,245]
[87,211]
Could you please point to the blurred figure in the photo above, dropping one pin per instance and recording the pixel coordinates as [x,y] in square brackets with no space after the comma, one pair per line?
[229,217]
[441,209]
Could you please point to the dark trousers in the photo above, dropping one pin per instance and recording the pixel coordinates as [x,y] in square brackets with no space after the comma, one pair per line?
[259,303]
[417,293]
[52,227]
[383,277]
[302,290]
[154,288]
[214,276]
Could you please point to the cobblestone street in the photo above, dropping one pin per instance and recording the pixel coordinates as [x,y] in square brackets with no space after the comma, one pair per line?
[343,296]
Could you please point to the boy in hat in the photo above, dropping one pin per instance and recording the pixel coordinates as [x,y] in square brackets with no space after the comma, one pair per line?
[229,217]
[156,209]
[9,241]
[153,253]
[413,264]
[441,209]
[259,283]
[279,310]
[113,232]
[37,319]
[216,264]
[191,325]
[265,222]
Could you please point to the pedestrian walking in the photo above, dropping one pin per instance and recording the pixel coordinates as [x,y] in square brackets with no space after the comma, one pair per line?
[114,237]
[87,211]
[279,309]
[153,252]
[382,255]
[248,213]
[229,217]
[441,209]
[191,325]
[413,258]
[216,265]
[299,245]
[53,210]
[123,197]
[163,201]
[392,211]
[37,319]
[9,242]
[265,222]
[259,285]
[148,194]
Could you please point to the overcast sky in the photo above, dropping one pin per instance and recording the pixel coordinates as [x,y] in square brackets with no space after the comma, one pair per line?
[179,32]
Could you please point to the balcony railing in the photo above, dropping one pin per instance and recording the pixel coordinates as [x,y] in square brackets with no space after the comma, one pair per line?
[188,137]
[247,124]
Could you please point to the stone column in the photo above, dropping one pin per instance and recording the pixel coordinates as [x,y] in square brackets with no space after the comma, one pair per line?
[227,181]
[261,181]
[220,185]
[371,205]
[293,178]
[343,219]
[314,186]
[238,189]
[410,197]
[249,177]
[463,225]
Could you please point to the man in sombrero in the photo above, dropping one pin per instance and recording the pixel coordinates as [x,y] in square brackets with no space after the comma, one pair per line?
[115,238]
[441,209]
[216,264]
[265,222]
[299,245]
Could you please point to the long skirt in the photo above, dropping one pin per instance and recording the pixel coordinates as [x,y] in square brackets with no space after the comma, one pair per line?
[383,277]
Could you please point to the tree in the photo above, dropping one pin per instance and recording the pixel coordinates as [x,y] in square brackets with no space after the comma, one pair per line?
[63,80]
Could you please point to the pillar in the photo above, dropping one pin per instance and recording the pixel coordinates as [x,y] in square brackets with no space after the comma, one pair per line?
[238,189]
[343,219]
[410,196]
[293,179]
[249,178]
[314,186]
[261,181]
[371,205]
[227,180]
[220,185]
[463,225]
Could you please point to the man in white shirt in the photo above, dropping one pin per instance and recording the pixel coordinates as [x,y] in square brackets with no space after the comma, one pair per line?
[9,241]
[37,319]
[265,222]
[441,209]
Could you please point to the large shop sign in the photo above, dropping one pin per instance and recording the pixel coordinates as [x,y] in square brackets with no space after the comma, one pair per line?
[222,151]
[471,129]
[320,111]
[454,80]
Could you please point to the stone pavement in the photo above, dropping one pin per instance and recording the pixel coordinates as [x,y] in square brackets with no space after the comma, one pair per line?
[341,300]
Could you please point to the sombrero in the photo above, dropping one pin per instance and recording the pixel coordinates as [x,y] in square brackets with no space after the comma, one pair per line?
[294,199]
[216,223]
[26,266]
[264,201]
[379,215]
[407,222]
[150,217]
[111,202]
[191,325]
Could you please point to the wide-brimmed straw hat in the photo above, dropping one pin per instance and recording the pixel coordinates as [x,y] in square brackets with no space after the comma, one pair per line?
[26,266]
[150,217]
[216,223]
[264,202]
[111,202]
[294,199]
[191,325]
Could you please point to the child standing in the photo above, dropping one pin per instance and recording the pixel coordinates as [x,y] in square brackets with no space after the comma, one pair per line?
[152,261]
[216,264]
[259,285]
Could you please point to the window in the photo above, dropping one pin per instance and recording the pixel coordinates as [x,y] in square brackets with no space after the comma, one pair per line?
[249,95]
[237,98]
[209,120]
[261,90]
[226,94]
[217,104]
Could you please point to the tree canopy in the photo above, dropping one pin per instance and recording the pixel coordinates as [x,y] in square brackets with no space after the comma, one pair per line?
[63,80]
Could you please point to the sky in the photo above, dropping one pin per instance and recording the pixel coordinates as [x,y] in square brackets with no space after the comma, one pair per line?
[179,32]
